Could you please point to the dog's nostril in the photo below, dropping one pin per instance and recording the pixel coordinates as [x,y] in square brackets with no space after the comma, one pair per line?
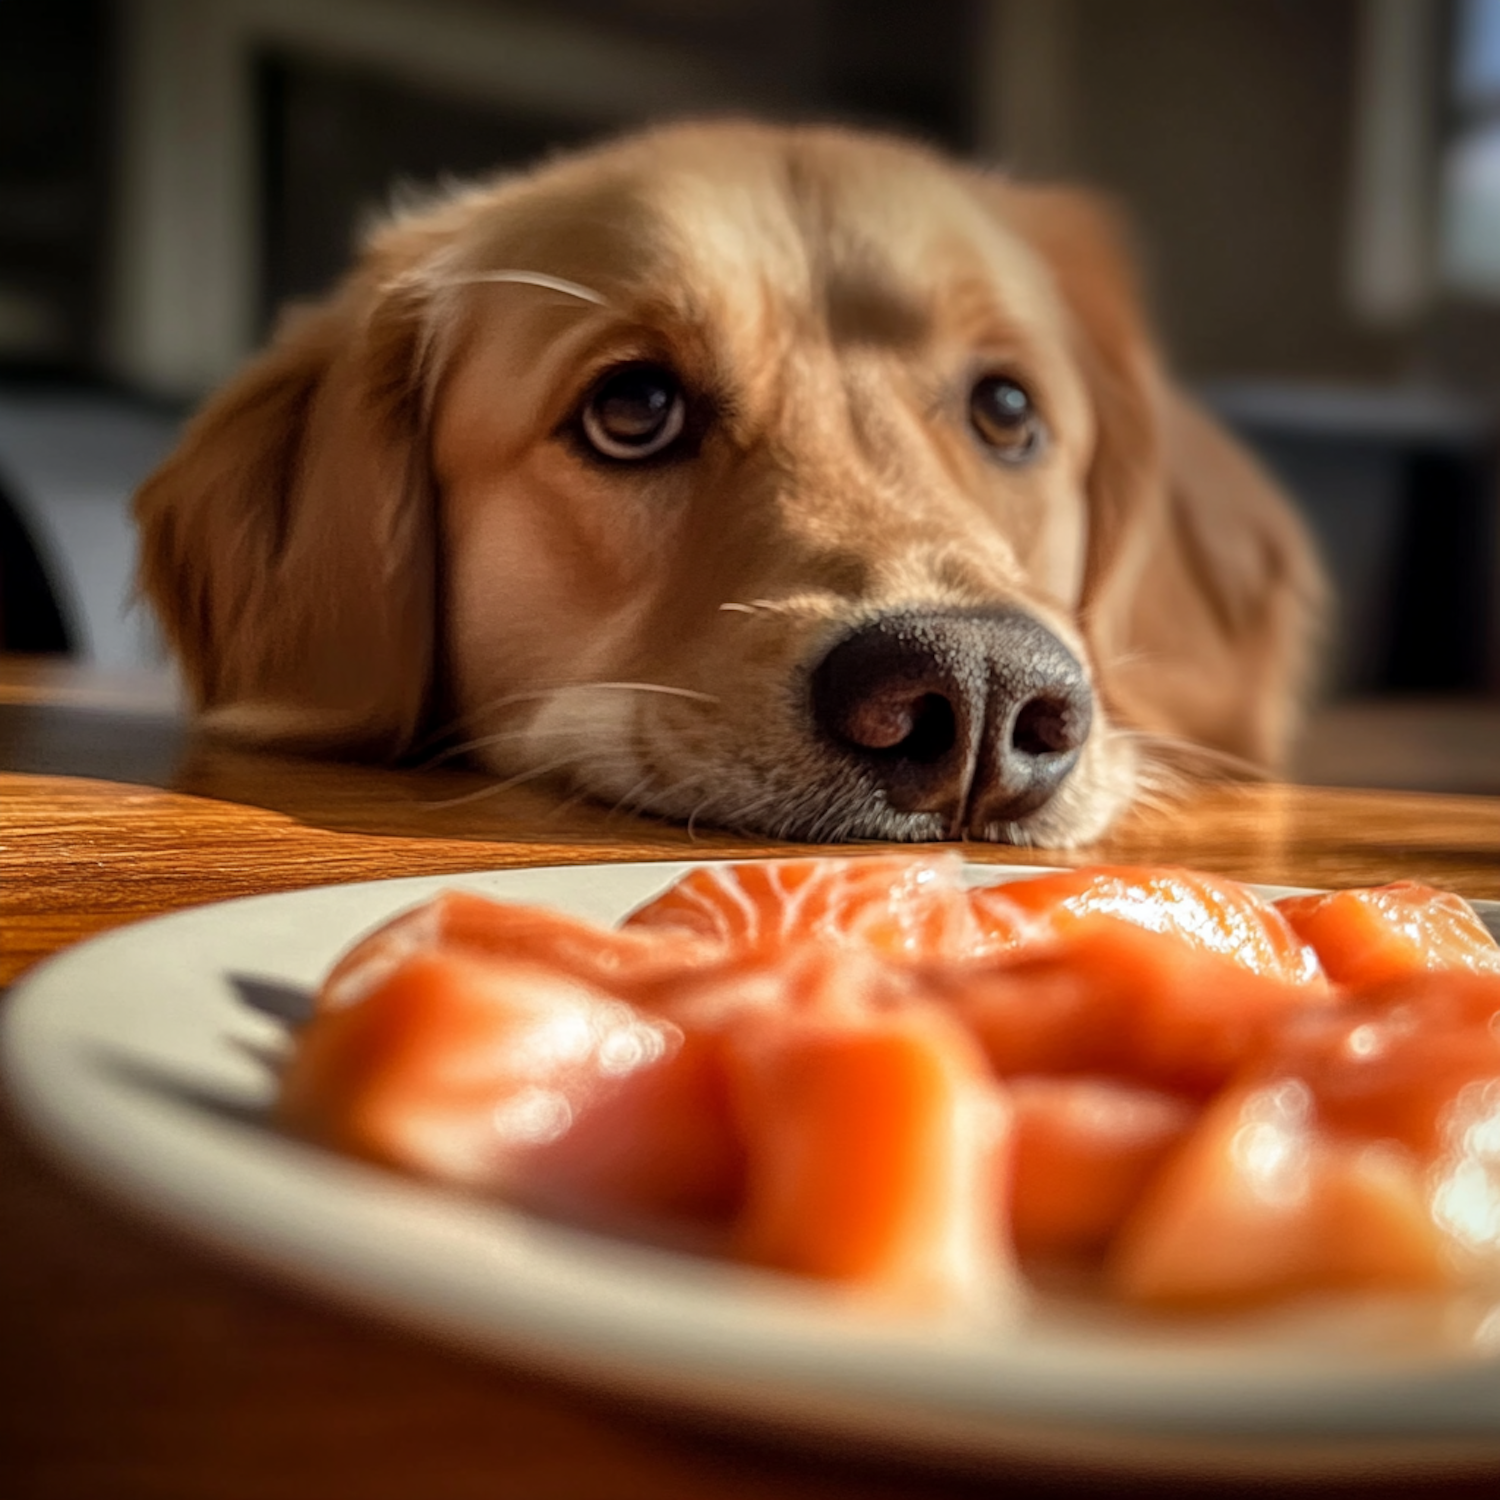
[1047,726]
[915,725]
[887,695]
[882,721]
[930,726]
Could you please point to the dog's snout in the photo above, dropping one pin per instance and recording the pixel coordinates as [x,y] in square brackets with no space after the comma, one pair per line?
[975,715]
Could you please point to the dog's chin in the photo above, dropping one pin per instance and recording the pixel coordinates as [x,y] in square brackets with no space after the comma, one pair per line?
[846,805]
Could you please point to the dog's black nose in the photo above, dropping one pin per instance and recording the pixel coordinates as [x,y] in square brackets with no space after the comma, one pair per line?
[977,715]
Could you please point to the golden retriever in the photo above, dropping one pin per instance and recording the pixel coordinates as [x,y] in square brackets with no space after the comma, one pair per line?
[795,480]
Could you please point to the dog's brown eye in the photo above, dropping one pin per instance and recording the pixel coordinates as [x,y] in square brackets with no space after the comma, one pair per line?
[634,412]
[1004,418]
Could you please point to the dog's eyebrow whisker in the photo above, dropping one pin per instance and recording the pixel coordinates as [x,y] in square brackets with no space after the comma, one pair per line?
[435,344]
[531,278]
[753,606]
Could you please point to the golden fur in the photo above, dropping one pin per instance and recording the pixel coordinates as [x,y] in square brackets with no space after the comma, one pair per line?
[381,529]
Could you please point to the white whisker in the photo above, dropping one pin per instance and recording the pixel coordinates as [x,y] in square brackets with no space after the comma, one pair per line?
[629,802]
[1172,755]
[608,767]
[567,804]
[501,786]
[739,818]
[492,705]
[653,687]
[495,705]
[533,278]
[498,738]
[743,609]
[1135,657]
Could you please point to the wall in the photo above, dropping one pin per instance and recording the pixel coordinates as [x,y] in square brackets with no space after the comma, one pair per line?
[1226,129]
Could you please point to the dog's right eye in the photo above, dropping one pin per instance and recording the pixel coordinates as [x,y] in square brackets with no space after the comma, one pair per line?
[634,412]
[1004,416]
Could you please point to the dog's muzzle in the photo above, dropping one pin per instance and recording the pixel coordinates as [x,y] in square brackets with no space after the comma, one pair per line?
[975,715]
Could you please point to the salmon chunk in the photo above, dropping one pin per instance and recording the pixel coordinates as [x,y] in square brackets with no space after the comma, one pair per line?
[1114,999]
[1365,1152]
[903,906]
[1207,912]
[522,1080]
[1368,936]
[465,923]
[873,1155]
[1082,1151]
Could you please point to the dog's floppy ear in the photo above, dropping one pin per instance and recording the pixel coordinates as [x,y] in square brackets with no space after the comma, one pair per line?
[288,546]
[1202,594]
[1223,625]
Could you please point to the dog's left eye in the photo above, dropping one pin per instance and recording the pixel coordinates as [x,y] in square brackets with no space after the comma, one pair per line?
[634,412]
[1003,415]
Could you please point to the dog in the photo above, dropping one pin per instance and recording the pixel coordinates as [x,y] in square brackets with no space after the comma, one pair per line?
[792,479]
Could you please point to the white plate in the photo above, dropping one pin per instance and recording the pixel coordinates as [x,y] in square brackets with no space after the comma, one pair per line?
[139,1059]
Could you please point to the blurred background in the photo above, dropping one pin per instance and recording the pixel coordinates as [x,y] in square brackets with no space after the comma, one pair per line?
[1315,188]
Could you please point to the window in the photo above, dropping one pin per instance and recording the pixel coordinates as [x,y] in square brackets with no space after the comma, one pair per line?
[1470,230]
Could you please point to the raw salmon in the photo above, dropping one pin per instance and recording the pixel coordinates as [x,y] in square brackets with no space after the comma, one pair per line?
[1207,912]
[1082,1150]
[518,1079]
[1366,1152]
[903,906]
[1119,1000]
[462,922]
[1260,1203]
[860,1071]
[1367,936]
[873,1147]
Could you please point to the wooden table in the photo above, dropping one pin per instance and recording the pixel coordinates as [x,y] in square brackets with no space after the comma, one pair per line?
[132,1365]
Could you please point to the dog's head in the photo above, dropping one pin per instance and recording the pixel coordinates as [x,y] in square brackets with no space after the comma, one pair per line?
[793,480]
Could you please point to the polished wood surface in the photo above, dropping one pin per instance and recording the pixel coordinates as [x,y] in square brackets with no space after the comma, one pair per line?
[134,1365]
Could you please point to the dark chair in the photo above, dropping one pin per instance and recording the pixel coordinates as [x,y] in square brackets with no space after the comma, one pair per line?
[31,618]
